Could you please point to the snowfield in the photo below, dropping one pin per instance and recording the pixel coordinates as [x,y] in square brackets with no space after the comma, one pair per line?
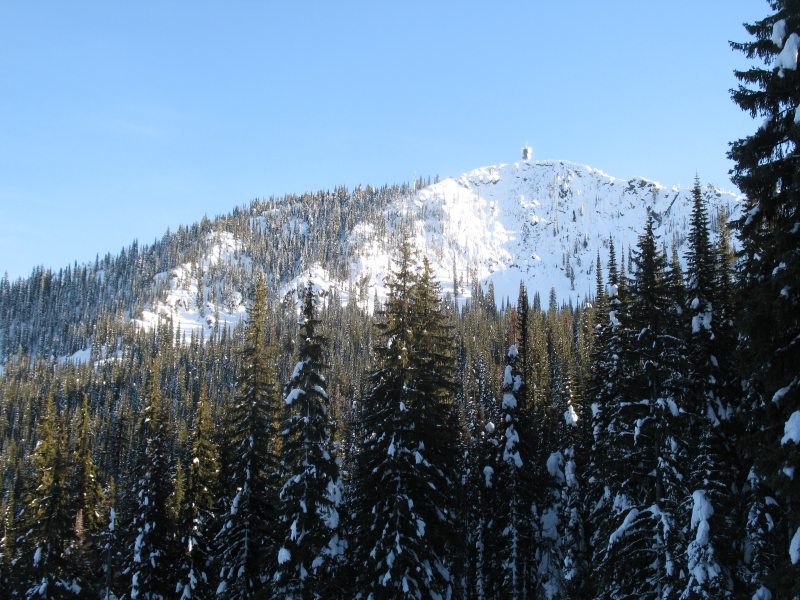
[541,222]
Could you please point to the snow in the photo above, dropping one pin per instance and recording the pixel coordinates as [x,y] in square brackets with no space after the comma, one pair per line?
[298,368]
[570,416]
[509,401]
[488,472]
[792,429]
[789,472]
[294,395]
[507,379]
[37,556]
[512,351]
[787,59]
[794,547]
[762,593]
[554,463]
[778,32]
[783,391]
[489,427]
[701,512]
[284,556]
[629,519]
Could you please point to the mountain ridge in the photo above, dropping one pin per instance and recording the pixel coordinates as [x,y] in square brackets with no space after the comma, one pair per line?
[539,222]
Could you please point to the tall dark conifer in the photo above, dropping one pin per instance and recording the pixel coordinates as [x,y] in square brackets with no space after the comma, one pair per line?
[46,567]
[766,170]
[708,509]
[408,456]
[308,514]
[151,530]
[513,531]
[89,502]
[245,547]
[196,517]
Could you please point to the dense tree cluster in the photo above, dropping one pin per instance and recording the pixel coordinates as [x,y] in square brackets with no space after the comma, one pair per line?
[642,443]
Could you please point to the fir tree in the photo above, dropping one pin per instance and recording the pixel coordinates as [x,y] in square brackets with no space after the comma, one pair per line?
[196,518]
[708,509]
[766,170]
[152,545]
[513,527]
[310,497]
[408,455]
[88,501]
[245,547]
[48,571]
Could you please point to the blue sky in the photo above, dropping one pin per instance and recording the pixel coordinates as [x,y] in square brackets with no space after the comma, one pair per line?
[118,120]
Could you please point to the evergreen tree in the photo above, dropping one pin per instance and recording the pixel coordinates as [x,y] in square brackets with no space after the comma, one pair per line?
[513,526]
[152,552]
[196,518]
[245,547]
[408,454]
[766,170]
[635,487]
[310,497]
[709,508]
[47,568]
[88,501]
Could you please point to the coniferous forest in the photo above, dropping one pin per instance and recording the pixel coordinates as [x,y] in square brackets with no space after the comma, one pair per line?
[641,443]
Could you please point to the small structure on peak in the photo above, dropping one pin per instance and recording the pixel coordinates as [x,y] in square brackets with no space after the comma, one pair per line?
[527,152]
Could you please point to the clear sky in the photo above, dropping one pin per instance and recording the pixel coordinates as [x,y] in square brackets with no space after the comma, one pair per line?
[120,119]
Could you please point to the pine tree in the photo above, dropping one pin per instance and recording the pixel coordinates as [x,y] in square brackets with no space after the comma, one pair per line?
[409,454]
[196,517]
[310,497]
[245,547]
[48,570]
[766,170]
[152,553]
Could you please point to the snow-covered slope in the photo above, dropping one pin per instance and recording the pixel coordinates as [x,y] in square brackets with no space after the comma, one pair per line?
[540,222]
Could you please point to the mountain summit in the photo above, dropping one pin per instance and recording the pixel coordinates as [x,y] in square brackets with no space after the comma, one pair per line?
[540,222]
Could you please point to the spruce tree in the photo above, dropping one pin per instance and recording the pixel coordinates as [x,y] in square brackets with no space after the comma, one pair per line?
[513,528]
[245,547]
[708,508]
[47,569]
[196,517]
[635,487]
[151,552]
[766,171]
[408,453]
[88,502]
[308,515]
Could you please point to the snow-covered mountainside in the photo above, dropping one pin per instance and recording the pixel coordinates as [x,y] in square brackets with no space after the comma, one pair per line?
[541,222]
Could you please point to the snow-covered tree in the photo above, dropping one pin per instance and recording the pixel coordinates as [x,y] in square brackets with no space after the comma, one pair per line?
[196,517]
[245,547]
[151,544]
[410,451]
[46,567]
[512,530]
[308,514]
[766,170]
[709,507]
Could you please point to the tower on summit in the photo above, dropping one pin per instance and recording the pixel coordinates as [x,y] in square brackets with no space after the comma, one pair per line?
[527,152]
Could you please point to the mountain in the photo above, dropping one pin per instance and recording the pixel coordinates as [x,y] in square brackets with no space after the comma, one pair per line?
[541,222]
